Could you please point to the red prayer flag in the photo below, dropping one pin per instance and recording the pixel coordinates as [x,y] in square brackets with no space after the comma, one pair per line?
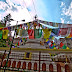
[51,41]
[70,35]
[31,33]
[18,43]
[61,44]
[39,25]
[21,25]
[5,28]
[51,45]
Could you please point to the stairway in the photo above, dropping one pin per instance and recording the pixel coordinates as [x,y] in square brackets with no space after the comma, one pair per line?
[33,43]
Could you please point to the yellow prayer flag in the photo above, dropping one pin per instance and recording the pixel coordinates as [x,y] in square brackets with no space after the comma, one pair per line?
[1,27]
[54,44]
[5,34]
[47,33]
[68,36]
[47,40]
[54,48]
[28,25]
[16,44]
[67,48]
[53,38]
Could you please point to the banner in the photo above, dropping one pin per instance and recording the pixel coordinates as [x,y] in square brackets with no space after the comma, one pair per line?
[31,33]
[46,33]
[70,35]
[20,32]
[35,24]
[64,32]
[1,34]
[37,33]
[69,25]
[28,25]
[55,31]
[24,33]
[5,34]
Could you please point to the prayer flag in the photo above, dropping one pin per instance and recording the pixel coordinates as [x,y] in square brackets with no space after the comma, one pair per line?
[47,33]
[37,33]
[67,48]
[61,44]
[1,34]
[20,32]
[64,46]
[31,33]
[5,34]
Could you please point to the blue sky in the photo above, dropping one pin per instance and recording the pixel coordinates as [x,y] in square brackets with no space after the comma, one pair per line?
[50,11]
[59,11]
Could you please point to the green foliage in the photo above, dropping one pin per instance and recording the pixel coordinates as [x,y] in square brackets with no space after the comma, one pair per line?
[3,43]
[2,24]
[9,42]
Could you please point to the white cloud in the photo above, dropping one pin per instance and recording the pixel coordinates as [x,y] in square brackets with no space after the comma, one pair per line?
[68,22]
[62,20]
[23,3]
[62,4]
[22,12]
[3,5]
[0,16]
[20,15]
[67,11]
[9,2]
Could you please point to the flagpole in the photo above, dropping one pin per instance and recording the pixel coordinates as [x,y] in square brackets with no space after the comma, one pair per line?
[12,41]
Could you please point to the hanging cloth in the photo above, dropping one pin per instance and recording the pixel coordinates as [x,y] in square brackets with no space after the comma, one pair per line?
[35,24]
[1,34]
[16,32]
[70,35]
[5,34]
[20,32]
[28,25]
[55,31]
[37,33]
[64,32]
[46,33]
[24,33]
[31,33]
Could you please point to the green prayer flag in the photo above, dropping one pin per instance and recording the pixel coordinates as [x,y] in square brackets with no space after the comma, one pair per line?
[1,34]
[37,33]
[53,46]
[50,37]
[64,47]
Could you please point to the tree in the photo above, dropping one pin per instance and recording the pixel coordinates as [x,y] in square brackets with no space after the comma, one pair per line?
[7,18]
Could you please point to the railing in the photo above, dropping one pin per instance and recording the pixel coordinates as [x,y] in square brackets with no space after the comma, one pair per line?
[37,50]
[39,62]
